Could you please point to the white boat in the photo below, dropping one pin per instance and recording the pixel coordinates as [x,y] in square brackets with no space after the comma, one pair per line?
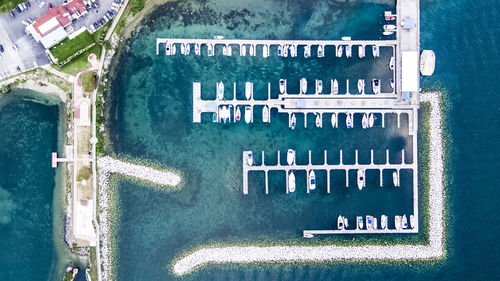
[307,51]
[387,32]
[265,51]
[303,85]
[369,222]
[285,51]
[346,222]
[293,50]
[197,49]
[290,157]
[249,158]
[248,90]
[395,178]
[413,221]
[282,86]
[389,27]
[238,113]
[334,120]
[308,235]
[218,37]
[392,83]
[224,50]
[265,114]
[319,86]
[187,49]
[183,49]
[361,86]
[335,87]
[173,49]
[243,50]
[224,114]
[280,50]
[397,222]
[376,86]
[293,121]
[404,222]
[359,222]
[340,222]
[210,49]
[348,120]
[215,117]
[375,51]
[321,51]
[252,50]
[312,180]
[291,182]
[383,222]
[348,51]
[375,223]
[392,61]
[248,114]
[364,122]
[168,49]
[227,50]
[427,62]
[371,120]
[339,51]
[361,51]
[319,122]
[361,179]
[220,90]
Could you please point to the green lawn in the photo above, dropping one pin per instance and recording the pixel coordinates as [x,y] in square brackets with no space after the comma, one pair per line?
[7,5]
[88,81]
[67,47]
[80,62]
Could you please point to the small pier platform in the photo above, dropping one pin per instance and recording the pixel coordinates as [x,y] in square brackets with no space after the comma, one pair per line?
[56,160]
[307,233]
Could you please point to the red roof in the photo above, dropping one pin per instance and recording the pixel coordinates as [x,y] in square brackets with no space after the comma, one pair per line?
[63,14]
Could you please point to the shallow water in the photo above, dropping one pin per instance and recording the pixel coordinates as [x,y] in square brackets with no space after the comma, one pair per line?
[153,107]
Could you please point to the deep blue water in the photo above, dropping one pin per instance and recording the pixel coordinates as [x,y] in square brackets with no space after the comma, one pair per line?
[152,120]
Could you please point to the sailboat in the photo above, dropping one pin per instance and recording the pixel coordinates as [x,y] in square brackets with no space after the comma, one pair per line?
[187,49]
[220,90]
[307,51]
[238,113]
[248,114]
[265,114]
[303,85]
[383,222]
[291,182]
[243,50]
[319,86]
[197,49]
[375,51]
[340,222]
[312,180]
[348,121]
[413,221]
[364,122]
[319,122]
[334,120]
[395,178]
[392,61]
[321,51]
[280,50]
[210,49]
[290,157]
[361,51]
[248,90]
[348,51]
[249,158]
[397,222]
[168,49]
[292,121]
[371,120]
[252,50]
[339,51]
[404,222]
[361,86]
[183,49]
[335,87]
[265,51]
[173,49]
[392,83]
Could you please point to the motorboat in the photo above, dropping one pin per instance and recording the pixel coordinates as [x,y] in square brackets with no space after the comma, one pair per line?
[290,157]
[319,122]
[303,85]
[237,114]
[249,158]
[335,87]
[321,51]
[173,49]
[265,51]
[248,90]
[340,222]
[364,122]
[280,50]
[168,49]
[397,222]
[197,49]
[348,51]
[282,86]
[361,51]
[404,222]
[319,86]
[210,49]
[392,61]
[413,221]
[291,182]
[427,62]
[307,51]
[308,235]
[389,16]
[349,120]
[387,32]
[252,50]
[215,118]
[359,222]
[339,51]
[389,27]
[369,222]
[243,50]
[187,49]
[361,86]
[183,49]
[375,51]
[218,37]
[346,222]
[395,178]
[361,179]
[293,50]
[293,121]
[285,51]
[224,114]
[371,120]
[392,83]
[248,114]
[220,90]
[227,50]
[265,114]
[312,180]
[383,222]
[375,223]
[376,86]
[224,50]
[334,120]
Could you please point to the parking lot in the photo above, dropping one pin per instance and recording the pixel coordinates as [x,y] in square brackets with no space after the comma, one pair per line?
[29,53]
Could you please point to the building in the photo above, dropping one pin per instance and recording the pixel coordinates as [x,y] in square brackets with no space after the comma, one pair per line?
[50,28]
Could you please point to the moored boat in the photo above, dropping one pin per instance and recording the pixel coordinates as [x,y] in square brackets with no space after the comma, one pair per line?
[321,51]
[319,122]
[369,222]
[173,49]
[404,222]
[248,90]
[376,86]
[383,222]
[291,182]
[252,50]
[361,86]
[237,113]
[361,51]
[280,50]
[282,86]
[389,27]
[307,51]
[361,179]
[215,117]
[293,121]
[339,51]
[387,32]
[168,49]
[248,114]
[349,120]
[392,83]
[335,87]
[293,50]
[285,50]
[308,235]
[183,49]
[392,61]
[197,49]
[364,122]
[210,49]
[340,222]
[397,222]
[290,157]
[375,222]
[375,51]
[265,51]
[265,114]
[224,114]
[413,221]
[346,222]
[334,120]
[249,158]
[220,90]
[218,37]
[395,178]
[312,180]
[319,86]
[348,51]
[187,49]
[303,85]
[427,62]
[359,222]
[371,120]
[243,50]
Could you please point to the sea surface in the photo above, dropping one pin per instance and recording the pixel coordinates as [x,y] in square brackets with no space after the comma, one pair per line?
[151,119]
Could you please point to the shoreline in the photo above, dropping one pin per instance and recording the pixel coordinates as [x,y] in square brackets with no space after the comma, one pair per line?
[434,250]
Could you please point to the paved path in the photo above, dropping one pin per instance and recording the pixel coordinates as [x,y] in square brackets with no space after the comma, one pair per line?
[116,20]
[69,78]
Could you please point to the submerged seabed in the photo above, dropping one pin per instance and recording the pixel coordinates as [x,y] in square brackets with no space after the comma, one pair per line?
[153,121]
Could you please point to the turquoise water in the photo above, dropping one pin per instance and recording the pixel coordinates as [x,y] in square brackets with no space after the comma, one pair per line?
[152,120]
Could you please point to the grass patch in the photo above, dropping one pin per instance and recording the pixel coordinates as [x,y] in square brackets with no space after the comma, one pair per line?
[93,264]
[67,47]
[80,62]
[88,81]
[7,5]
[137,5]
[84,173]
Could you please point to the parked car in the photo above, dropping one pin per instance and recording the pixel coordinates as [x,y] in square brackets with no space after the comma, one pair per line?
[28,3]
[41,4]
[15,47]
[50,5]
[18,68]
[24,6]
[20,8]
[11,13]
[25,22]
[1,49]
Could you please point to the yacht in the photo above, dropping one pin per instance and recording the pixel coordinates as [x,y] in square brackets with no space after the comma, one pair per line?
[243,50]
[371,120]
[369,222]
[413,221]
[303,85]
[291,182]
[249,158]
[280,50]
[364,122]
[290,157]
[335,87]
[348,120]
[173,49]
[168,49]
[210,49]
[319,122]
[319,86]
[404,222]
[197,49]
[307,51]
[238,113]
[375,51]
[220,90]
[361,179]
[340,222]
[348,51]
[361,86]
[392,61]
[248,114]
[265,114]
[183,49]
[339,51]
[361,51]
[395,178]
[293,121]
[334,120]
[383,222]
[359,222]
[248,90]
[312,180]
[321,51]
[187,49]
[282,86]
[265,51]
[376,86]
[252,50]
[397,222]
